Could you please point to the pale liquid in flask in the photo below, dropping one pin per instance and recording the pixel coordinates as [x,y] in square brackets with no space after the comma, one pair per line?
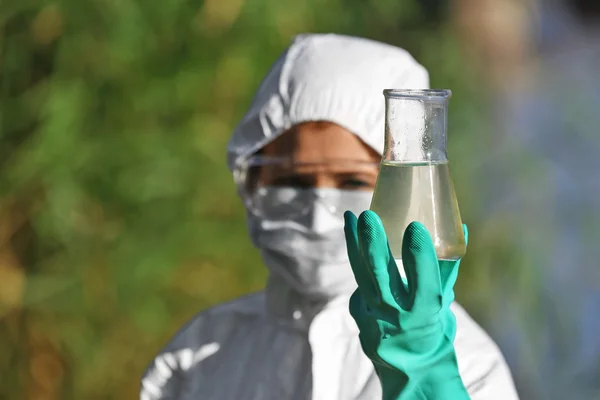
[420,192]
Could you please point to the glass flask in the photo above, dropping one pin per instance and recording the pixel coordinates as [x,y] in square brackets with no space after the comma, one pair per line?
[414,182]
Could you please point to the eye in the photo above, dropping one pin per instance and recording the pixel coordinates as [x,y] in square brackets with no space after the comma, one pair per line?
[357,183]
[298,181]
[354,183]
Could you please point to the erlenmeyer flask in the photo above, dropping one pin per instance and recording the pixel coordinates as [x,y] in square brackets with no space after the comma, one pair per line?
[414,181]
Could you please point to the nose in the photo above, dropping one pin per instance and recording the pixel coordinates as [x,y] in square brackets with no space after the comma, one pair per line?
[324,180]
[324,216]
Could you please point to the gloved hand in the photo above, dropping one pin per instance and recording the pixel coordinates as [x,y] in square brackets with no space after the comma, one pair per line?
[406,329]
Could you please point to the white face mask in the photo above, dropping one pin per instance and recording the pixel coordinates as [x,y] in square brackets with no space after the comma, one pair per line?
[308,251]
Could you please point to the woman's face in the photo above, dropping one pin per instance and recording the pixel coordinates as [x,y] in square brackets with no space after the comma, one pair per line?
[321,155]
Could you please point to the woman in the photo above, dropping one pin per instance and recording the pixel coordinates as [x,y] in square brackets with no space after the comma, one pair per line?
[306,151]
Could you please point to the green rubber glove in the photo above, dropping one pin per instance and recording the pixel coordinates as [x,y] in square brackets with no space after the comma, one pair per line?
[406,329]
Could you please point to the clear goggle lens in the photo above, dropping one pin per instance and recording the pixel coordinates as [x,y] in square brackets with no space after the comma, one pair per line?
[281,189]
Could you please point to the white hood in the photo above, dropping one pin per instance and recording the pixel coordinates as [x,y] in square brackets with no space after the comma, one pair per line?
[326,77]
[320,77]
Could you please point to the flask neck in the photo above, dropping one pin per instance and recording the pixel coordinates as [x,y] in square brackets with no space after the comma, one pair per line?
[416,126]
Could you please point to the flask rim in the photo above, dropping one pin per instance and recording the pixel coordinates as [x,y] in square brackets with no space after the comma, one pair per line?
[419,94]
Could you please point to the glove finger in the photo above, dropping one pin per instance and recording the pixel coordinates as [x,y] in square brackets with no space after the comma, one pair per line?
[449,273]
[448,276]
[377,256]
[422,269]
[356,306]
[359,269]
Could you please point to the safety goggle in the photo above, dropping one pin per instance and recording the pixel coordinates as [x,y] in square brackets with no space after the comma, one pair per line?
[283,188]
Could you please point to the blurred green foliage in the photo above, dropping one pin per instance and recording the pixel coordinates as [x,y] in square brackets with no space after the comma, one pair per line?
[119,219]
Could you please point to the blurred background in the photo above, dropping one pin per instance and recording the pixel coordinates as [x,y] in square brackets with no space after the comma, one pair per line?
[119,220]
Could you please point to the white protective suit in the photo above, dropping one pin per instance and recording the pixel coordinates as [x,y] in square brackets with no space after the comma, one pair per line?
[297,340]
